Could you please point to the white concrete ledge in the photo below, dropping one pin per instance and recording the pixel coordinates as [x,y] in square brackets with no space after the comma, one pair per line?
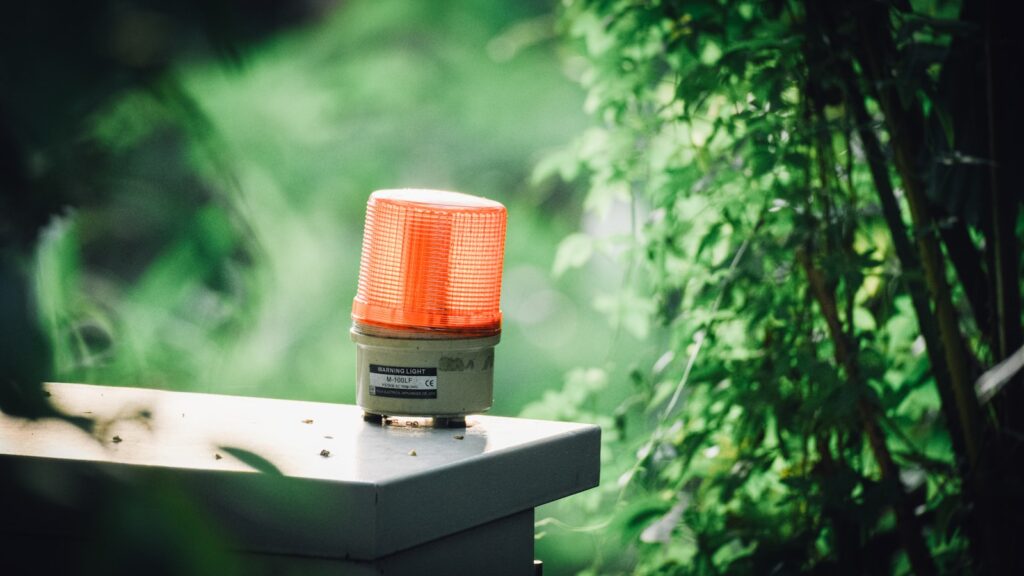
[376,491]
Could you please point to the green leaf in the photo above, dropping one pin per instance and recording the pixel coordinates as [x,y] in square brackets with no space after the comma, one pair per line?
[710,54]
[629,310]
[639,514]
[863,320]
[574,251]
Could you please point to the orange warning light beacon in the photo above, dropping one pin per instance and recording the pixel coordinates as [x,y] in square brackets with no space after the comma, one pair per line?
[426,315]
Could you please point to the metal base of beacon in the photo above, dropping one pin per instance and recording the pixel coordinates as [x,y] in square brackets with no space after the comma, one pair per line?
[440,378]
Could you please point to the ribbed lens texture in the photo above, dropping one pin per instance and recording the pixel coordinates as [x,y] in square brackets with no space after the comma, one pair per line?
[431,261]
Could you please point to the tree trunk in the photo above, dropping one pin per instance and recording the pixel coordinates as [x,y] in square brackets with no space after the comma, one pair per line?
[1005,472]
[875,50]
[906,521]
[964,444]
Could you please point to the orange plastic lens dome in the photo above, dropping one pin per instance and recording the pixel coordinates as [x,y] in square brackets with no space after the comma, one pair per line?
[431,261]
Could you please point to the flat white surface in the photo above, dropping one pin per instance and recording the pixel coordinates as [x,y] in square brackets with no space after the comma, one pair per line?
[380,489]
[187,430]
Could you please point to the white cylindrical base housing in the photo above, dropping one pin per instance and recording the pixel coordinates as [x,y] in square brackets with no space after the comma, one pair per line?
[434,377]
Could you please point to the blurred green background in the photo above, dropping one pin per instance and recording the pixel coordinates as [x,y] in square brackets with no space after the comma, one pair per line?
[223,252]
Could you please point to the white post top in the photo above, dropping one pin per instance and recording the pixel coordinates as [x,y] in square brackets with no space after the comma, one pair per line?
[347,488]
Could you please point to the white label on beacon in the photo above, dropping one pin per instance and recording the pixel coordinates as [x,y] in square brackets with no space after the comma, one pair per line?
[403,381]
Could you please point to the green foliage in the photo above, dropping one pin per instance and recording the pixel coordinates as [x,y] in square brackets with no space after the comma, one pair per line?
[784,333]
